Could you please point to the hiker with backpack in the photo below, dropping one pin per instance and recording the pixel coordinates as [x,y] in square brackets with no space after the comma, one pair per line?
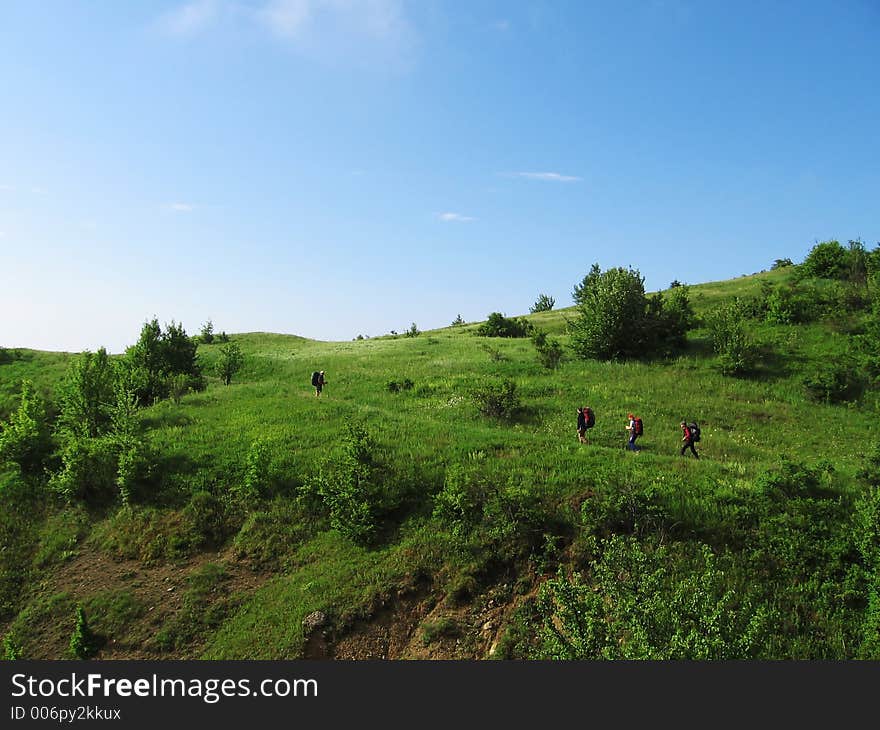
[585,421]
[318,381]
[635,429]
[690,435]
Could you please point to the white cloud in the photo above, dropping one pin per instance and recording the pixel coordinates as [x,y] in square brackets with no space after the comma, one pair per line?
[328,29]
[547,176]
[502,25]
[181,207]
[454,218]
[192,17]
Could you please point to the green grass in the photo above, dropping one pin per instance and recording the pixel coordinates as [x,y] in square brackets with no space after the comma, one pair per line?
[750,425]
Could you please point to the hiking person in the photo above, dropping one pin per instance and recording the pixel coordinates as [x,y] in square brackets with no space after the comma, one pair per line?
[318,381]
[635,429]
[585,421]
[690,435]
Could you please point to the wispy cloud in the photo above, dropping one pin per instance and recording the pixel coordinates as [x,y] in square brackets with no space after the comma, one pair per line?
[547,176]
[502,25]
[327,29]
[181,207]
[454,218]
[193,17]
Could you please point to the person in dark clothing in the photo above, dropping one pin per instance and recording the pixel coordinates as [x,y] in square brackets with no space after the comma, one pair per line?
[687,440]
[319,383]
[633,432]
[583,424]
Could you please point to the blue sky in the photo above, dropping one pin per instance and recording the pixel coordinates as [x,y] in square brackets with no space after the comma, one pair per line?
[332,168]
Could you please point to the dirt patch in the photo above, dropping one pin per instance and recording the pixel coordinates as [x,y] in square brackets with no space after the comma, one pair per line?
[158,590]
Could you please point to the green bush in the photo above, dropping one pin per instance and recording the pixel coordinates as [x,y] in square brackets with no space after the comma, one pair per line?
[496,399]
[230,362]
[550,352]
[26,440]
[88,394]
[459,505]
[826,260]
[84,643]
[543,303]
[497,325]
[835,382]
[205,519]
[737,353]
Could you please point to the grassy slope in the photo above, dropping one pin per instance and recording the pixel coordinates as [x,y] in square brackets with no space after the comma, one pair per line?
[748,425]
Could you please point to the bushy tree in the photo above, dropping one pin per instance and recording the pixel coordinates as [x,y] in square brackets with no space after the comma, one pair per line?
[611,314]
[543,303]
[26,439]
[497,325]
[458,321]
[84,643]
[730,340]
[230,362]
[413,331]
[88,394]
[158,356]
[496,399]
[782,263]
[826,260]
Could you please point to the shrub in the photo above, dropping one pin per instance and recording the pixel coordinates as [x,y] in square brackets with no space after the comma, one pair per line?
[459,505]
[88,468]
[543,303]
[230,362]
[737,353]
[223,337]
[12,650]
[826,260]
[205,520]
[458,321]
[394,387]
[87,395]
[257,474]
[413,331]
[207,334]
[549,350]
[496,399]
[497,325]
[781,264]
[156,357]
[84,643]
[26,440]
[835,382]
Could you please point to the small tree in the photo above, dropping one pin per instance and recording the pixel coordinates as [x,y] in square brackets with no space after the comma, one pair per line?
[230,362]
[207,335]
[27,439]
[549,350]
[737,353]
[826,260]
[782,263]
[496,399]
[413,331]
[543,303]
[88,395]
[458,321]
[497,325]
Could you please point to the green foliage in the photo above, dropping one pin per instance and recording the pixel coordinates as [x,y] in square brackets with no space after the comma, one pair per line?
[496,399]
[632,607]
[497,325]
[88,469]
[413,331]
[549,350]
[230,362]
[159,355]
[87,395]
[459,505]
[543,303]
[12,650]
[223,338]
[352,489]
[615,320]
[207,333]
[444,627]
[836,381]
[205,519]
[781,263]
[458,321]
[826,260]
[257,474]
[270,535]
[394,387]
[84,643]
[737,353]
[26,440]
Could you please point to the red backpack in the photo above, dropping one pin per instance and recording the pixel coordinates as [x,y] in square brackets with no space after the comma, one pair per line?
[637,424]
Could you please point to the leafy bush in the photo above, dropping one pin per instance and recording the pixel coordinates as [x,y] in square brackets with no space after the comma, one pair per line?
[543,303]
[781,264]
[616,320]
[88,469]
[826,260]
[737,353]
[257,475]
[205,520]
[458,321]
[496,399]
[835,382]
[88,394]
[632,607]
[413,331]
[27,439]
[394,387]
[549,350]
[459,505]
[497,325]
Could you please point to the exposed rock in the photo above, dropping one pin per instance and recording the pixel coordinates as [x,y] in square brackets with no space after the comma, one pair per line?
[315,620]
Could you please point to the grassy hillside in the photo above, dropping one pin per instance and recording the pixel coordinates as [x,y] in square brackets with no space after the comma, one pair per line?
[501,538]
